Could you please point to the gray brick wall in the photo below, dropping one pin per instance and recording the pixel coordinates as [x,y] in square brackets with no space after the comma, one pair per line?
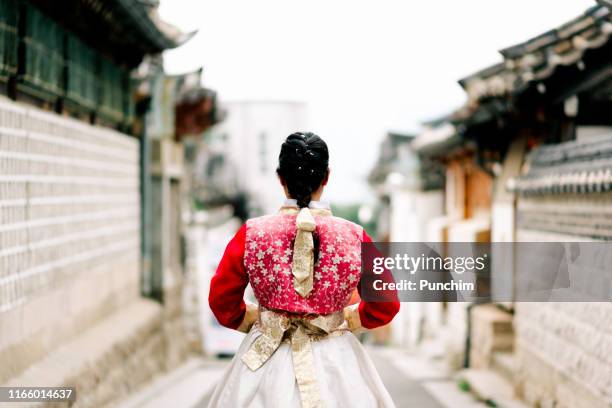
[563,349]
[69,201]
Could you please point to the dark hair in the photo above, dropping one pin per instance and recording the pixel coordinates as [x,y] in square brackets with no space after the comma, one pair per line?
[303,164]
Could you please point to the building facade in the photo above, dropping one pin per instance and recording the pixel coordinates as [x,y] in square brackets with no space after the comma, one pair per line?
[409,197]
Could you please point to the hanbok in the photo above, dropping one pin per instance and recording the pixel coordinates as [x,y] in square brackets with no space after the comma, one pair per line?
[300,350]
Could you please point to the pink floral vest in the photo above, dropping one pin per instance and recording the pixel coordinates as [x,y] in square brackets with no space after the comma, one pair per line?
[268,258]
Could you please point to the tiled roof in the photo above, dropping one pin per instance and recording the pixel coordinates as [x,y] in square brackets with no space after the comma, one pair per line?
[143,16]
[439,136]
[607,3]
[539,57]
[125,30]
[392,157]
[571,167]
[524,67]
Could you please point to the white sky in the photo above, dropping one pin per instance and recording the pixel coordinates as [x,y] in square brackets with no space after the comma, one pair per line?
[363,66]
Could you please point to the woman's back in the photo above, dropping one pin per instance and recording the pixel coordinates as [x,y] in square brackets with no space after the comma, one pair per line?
[269,256]
[303,264]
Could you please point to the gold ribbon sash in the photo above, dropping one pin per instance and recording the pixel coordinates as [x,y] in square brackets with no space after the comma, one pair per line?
[302,265]
[299,331]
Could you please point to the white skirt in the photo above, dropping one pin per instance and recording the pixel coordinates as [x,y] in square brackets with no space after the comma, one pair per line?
[345,374]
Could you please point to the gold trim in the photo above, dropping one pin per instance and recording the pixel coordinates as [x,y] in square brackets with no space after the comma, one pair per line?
[299,332]
[319,212]
[302,266]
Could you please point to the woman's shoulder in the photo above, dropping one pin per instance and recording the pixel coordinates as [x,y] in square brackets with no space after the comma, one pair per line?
[339,223]
[269,222]
[280,220]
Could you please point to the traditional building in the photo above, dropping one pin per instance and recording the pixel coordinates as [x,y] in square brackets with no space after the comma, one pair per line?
[86,184]
[409,195]
[466,214]
[538,128]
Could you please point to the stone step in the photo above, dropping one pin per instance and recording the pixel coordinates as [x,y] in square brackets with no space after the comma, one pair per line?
[504,364]
[105,362]
[490,387]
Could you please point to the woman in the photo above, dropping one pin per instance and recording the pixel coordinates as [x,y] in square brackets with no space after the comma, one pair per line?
[303,264]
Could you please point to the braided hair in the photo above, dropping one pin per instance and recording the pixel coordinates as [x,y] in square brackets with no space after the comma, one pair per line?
[303,165]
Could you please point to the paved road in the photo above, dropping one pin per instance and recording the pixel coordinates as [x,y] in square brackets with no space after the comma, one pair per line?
[405,391]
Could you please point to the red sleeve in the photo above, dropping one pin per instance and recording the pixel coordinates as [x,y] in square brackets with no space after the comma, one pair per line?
[226,296]
[375,314]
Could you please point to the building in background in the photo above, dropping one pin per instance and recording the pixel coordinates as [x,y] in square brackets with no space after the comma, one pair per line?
[467,214]
[527,160]
[409,192]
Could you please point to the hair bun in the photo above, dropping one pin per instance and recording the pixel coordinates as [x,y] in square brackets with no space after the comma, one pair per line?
[303,163]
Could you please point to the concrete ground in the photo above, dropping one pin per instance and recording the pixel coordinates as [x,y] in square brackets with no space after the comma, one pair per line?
[412,380]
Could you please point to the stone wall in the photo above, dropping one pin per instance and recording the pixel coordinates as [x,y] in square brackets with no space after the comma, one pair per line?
[563,354]
[69,230]
[490,332]
[563,349]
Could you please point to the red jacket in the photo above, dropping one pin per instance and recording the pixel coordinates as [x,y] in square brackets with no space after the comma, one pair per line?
[260,253]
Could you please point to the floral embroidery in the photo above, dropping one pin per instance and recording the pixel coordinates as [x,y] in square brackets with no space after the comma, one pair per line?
[268,262]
